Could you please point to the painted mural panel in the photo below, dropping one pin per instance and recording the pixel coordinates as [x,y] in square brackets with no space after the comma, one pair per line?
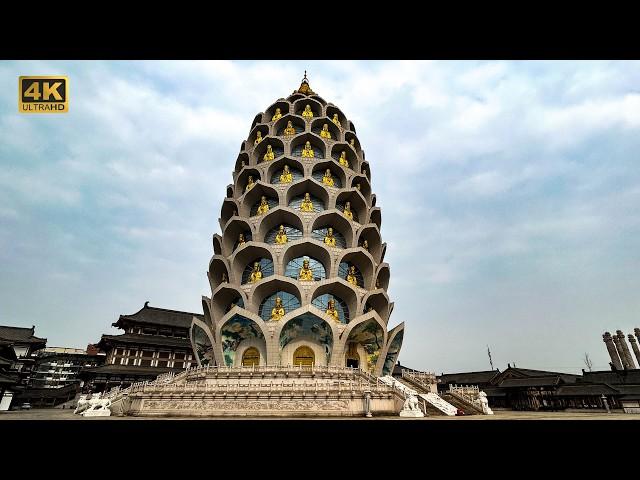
[203,346]
[311,327]
[392,353]
[371,336]
[237,329]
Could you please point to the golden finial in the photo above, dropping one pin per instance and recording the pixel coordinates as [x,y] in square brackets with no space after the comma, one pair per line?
[304,86]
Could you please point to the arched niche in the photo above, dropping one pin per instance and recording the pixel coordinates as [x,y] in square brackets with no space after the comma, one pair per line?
[365,186]
[231,233]
[218,267]
[352,159]
[283,105]
[352,127]
[371,234]
[358,205]
[298,142]
[364,168]
[338,174]
[363,262]
[383,276]
[375,216]
[243,146]
[319,195]
[217,244]
[276,217]
[250,357]
[317,126]
[243,178]
[277,146]
[256,120]
[295,96]
[344,295]
[275,170]
[289,301]
[384,251]
[225,298]
[319,99]
[371,335]
[228,210]
[242,157]
[378,301]
[291,234]
[348,269]
[235,331]
[297,123]
[202,344]
[373,200]
[312,250]
[331,110]
[267,288]
[206,309]
[310,330]
[348,136]
[337,221]
[393,350]
[253,135]
[245,256]
[251,200]
[229,191]
[316,107]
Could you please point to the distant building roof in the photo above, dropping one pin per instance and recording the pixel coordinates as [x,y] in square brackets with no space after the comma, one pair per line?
[128,370]
[531,381]
[19,335]
[132,338]
[468,378]
[590,389]
[160,317]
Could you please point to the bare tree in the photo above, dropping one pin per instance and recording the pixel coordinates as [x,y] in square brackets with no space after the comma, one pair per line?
[587,361]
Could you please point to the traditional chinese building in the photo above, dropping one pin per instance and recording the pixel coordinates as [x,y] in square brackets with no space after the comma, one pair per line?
[155,341]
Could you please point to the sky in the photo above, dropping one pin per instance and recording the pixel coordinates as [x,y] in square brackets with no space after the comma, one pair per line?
[510,196]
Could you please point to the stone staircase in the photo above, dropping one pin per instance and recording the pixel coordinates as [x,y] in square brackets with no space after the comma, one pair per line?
[431,403]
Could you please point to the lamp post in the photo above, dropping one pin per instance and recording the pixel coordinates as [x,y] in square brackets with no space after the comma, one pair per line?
[606,403]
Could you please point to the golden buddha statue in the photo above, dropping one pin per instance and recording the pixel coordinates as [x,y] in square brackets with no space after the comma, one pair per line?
[305,274]
[281,236]
[289,130]
[307,151]
[256,274]
[336,120]
[276,115]
[264,206]
[329,239]
[365,245]
[269,154]
[241,240]
[352,142]
[331,310]
[308,114]
[307,204]
[286,176]
[351,276]
[347,211]
[277,312]
[325,133]
[327,179]
[250,184]
[258,138]
[358,185]
[343,159]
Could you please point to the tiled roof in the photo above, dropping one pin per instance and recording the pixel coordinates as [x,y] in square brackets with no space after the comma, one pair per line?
[129,370]
[19,335]
[160,317]
[530,381]
[468,378]
[586,389]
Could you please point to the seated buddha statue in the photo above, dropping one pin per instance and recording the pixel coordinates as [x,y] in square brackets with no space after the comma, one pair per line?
[351,276]
[258,138]
[277,115]
[268,155]
[307,151]
[286,176]
[256,273]
[277,312]
[241,240]
[242,164]
[347,211]
[327,179]
[250,184]
[331,310]
[305,274]
[343,159]
[329,239]
[352,142]
[325,133]
[264,206]
[307,204]
[308,114]
[365,245]
[289,130]
[336,120]
[281,236]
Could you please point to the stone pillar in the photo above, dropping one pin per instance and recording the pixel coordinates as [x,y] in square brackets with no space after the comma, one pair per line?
[625,350]
[634,347]
[615,359]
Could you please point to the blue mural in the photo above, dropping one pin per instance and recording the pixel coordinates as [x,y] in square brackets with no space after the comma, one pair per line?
[311,327]
[392,353]
[322,302]
[371,336]
[203,347]
[234,331]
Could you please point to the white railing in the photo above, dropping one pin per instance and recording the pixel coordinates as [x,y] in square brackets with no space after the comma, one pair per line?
[423,379]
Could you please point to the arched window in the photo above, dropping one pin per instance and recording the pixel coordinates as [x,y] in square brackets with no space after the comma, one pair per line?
[247,238]
[295,203]
[292,234]
[319,175]
[295,176]
[289,302]
[322,303]
[343,271]
[272,202]
[293,268]
[304,356]
[237,301]
[266,266]
[251,357]
[321,233]
[340,206]
[297,151]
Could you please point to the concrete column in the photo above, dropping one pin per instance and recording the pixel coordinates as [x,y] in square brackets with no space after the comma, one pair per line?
[625,350]
[615,359]
[634,347]
[623,359]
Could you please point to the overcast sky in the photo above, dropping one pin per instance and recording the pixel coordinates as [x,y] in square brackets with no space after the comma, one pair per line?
[510,196]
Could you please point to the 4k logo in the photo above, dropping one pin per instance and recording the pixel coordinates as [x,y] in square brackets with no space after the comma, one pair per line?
[43,94]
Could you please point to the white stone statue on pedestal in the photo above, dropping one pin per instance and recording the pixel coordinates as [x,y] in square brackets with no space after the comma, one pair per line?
[484,403]
[98,407]
[411,407]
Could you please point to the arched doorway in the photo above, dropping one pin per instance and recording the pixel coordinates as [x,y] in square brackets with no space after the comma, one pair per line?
[353,359]
[304,356]
[251,357]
